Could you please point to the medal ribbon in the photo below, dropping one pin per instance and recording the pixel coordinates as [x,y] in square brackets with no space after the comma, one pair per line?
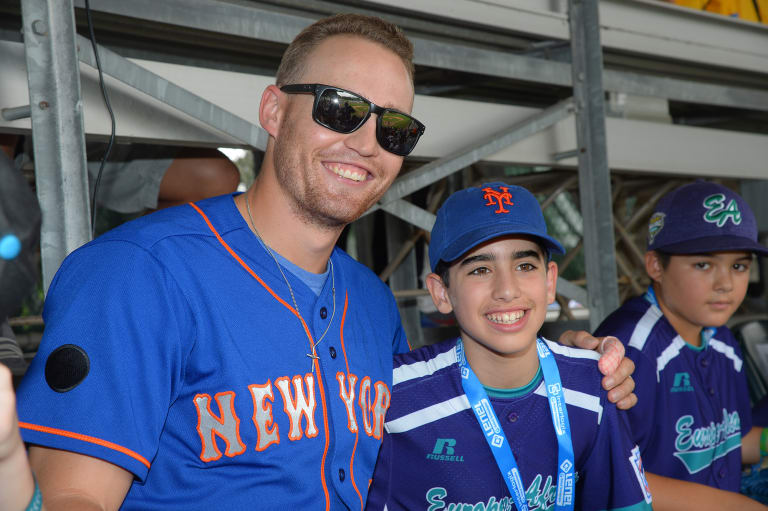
[497,440]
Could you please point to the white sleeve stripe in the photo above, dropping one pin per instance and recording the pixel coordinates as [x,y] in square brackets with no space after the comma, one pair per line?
[644,326]
[727,351]
[571,352]
[577,398]
[669,353]
[426,415]
[419,369]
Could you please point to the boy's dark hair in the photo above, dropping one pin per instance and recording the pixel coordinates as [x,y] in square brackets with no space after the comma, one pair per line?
[664,258]
[442,268]
[371,28]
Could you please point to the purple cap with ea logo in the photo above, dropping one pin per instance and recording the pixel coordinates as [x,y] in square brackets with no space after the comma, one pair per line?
[703,217]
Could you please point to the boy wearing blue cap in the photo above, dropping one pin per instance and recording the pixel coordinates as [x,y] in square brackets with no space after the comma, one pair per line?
[693,420]
[500,417]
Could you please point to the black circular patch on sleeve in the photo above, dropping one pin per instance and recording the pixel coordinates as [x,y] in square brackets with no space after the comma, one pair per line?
[66,367]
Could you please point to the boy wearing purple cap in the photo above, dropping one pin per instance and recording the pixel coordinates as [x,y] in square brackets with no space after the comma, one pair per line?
[693,420]
[500,417]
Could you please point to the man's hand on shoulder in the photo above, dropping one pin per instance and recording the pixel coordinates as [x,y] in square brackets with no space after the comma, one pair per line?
[613,364]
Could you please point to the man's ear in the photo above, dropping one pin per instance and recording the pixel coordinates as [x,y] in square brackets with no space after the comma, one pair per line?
[653,266]
[271,109]
[439,293]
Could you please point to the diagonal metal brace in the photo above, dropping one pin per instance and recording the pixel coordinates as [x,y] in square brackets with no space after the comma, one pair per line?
[487,146]
[171,94]
[410,213]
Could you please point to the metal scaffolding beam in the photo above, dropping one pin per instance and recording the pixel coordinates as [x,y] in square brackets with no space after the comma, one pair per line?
[594,174]
[57,126]
[173,95]
[438,169]
[257,23]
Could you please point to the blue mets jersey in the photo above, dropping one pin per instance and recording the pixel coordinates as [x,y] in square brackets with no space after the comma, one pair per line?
[693,402]
[172,349]
[435,456]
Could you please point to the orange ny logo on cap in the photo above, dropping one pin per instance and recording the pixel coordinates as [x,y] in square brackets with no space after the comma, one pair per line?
[495,198]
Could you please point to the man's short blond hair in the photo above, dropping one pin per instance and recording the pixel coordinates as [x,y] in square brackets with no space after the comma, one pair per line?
[377,30]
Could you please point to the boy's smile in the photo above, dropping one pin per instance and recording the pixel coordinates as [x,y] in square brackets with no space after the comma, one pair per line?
[696,291]
[499,292]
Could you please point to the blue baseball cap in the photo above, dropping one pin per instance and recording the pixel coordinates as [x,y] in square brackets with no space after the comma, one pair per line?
[703,217]
[478,214]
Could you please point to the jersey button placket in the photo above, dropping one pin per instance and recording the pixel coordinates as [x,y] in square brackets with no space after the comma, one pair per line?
[332,351]
[342,475]
[323,313]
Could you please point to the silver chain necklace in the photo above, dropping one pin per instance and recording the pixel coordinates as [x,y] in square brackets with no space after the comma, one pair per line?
[312,355]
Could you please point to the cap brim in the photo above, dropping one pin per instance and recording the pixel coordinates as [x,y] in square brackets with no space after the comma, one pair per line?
[470,240]
[714,244]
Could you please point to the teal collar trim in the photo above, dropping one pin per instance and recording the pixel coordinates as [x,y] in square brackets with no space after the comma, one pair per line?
[517,392]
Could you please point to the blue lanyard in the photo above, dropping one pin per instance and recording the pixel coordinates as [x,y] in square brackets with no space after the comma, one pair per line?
[497,441]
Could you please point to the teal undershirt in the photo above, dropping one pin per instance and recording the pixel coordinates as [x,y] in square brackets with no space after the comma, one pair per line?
[516,392]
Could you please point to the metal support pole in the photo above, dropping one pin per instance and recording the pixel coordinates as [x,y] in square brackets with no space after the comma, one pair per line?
[404,277]
[594,175]
[53,74]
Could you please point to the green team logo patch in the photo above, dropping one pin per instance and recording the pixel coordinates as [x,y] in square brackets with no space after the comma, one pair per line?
[655,225]
[698,448]
[719,213]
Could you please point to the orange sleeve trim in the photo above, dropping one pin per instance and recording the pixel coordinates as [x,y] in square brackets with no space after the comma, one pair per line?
[86,438]
[306,330]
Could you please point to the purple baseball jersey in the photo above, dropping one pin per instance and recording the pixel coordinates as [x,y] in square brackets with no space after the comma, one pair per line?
[193,367]
[693,402]
[435,456]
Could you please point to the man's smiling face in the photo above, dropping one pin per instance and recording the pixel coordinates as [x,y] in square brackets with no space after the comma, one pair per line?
[332,178]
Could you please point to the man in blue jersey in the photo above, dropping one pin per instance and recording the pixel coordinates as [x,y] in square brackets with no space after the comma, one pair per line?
[693,421]
[224,354]
[500,416]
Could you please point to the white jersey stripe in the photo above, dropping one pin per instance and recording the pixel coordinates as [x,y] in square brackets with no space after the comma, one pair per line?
[728,351]
[571,352]
[426,415]
[418,369]
[644,326]
[669,353]
[577,398]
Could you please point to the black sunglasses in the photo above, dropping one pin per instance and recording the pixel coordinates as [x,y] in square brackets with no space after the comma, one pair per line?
[344,111]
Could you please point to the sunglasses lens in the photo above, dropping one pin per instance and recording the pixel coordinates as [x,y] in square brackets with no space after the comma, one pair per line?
[341,110]
[398,133]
